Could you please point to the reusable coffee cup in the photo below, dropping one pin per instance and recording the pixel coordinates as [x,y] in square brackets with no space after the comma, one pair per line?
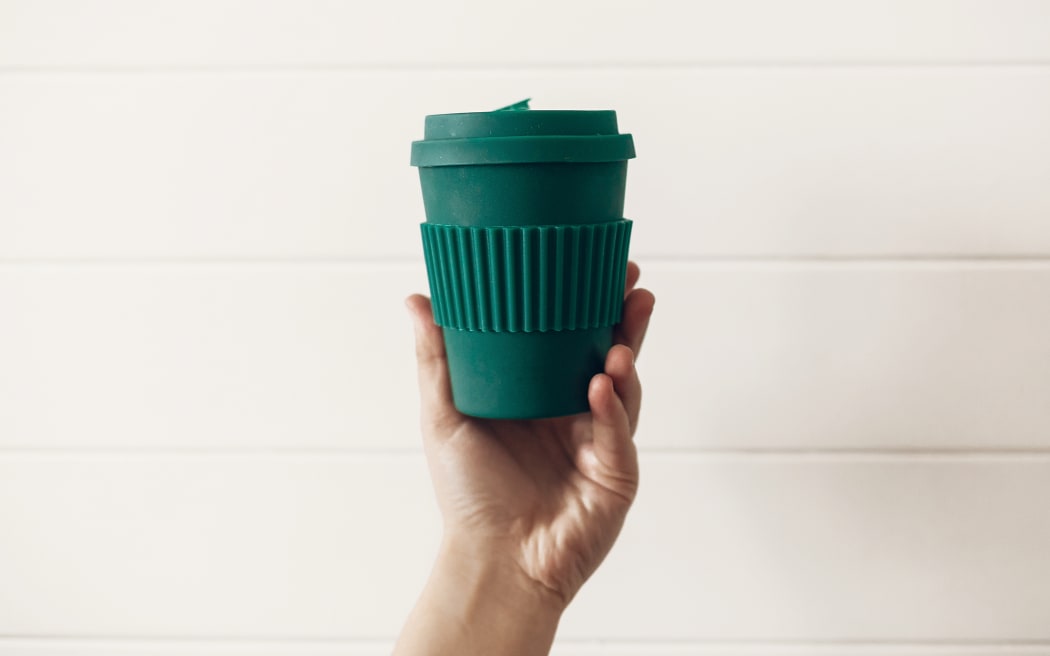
[526,252]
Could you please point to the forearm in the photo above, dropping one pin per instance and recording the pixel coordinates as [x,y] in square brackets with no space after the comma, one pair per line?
[475,604]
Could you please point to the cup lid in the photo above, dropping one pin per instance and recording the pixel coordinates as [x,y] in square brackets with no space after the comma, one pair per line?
[517,134]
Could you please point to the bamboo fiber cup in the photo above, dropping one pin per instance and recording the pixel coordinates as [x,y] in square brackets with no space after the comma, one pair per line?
[526,251]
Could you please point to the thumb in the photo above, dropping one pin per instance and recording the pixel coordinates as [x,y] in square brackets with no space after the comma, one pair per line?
[435,390]
[611,431]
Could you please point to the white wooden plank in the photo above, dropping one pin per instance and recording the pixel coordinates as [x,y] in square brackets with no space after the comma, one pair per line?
[724,548]
[870,356]
[778,162]
[79,647]
[104,33]
[211,356]
[219,546]
[740,356]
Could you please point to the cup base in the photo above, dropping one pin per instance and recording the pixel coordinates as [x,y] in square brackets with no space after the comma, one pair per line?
[524,375]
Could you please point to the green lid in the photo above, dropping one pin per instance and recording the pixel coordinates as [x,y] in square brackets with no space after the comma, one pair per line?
[517,134]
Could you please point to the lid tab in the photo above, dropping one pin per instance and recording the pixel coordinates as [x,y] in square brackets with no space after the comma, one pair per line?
[516,134]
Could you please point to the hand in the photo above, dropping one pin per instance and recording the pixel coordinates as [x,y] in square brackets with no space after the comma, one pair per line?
[549,494]
[540,502]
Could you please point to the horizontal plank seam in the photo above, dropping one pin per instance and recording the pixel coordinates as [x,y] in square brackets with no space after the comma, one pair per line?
[65,639]
[406,261]
[453,66]
[837,455]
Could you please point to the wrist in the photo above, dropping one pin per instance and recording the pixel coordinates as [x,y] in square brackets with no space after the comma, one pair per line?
[479,601]
[491,570]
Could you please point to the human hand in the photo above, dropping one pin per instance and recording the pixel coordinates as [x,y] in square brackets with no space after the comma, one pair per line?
[530,507]
[547,496]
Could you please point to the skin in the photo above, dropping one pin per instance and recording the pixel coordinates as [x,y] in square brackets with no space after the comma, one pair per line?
[530,508]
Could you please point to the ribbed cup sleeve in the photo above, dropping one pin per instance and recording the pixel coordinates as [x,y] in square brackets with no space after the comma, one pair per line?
[527,278]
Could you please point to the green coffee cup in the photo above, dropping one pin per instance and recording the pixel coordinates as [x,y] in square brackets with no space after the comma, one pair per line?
[526,253]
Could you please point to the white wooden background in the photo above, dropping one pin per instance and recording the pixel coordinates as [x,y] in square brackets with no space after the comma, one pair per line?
[208,440]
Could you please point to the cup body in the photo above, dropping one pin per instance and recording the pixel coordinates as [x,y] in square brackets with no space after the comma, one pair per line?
[526,250]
